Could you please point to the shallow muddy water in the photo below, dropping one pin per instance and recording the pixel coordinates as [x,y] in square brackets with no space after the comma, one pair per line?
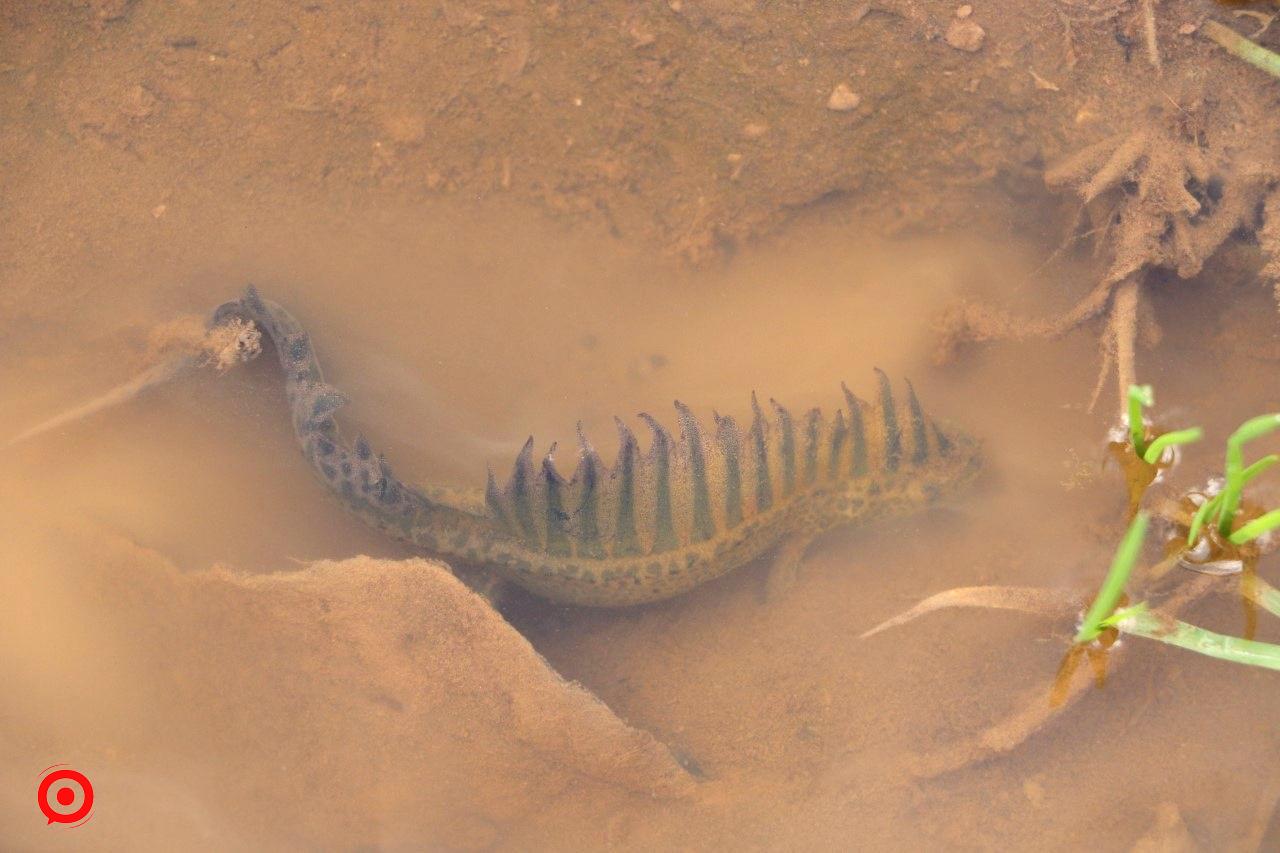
[454,342]
[172,624]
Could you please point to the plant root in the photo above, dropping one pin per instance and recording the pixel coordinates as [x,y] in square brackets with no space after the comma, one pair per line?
[1023,599]
[1126,318]
[1035,711]
[1155,197]
[1149,35]
[154,376]
[1171,205]
[971,322]
[1264,22]
[181,349]
[1121,335]
[1039,707]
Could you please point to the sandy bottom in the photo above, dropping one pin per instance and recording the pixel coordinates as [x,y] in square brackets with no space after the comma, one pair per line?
[172,626]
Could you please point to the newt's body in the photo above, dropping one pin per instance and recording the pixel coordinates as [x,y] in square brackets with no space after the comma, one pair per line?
[656,524]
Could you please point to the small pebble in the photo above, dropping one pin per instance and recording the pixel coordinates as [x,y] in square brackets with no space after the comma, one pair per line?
[1187,29]
[754,130]
[404,127]
[1088,113]
[641,35]
[139,103]
[964,11]
[843,99]
[965,34]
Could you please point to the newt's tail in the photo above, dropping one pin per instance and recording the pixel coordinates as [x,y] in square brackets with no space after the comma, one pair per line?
[360,477]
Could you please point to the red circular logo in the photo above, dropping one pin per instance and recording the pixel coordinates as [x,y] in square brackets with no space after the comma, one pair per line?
[64,796]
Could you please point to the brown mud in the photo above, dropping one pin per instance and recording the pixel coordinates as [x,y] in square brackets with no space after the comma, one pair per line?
[498,218]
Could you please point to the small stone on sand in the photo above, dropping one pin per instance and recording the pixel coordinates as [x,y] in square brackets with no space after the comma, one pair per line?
[404,127]
[965,34]
[843,99]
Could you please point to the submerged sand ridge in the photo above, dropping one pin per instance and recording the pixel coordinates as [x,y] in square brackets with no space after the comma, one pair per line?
[348,703]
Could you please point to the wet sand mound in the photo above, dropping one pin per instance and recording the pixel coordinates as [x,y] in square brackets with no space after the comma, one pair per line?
[362,701]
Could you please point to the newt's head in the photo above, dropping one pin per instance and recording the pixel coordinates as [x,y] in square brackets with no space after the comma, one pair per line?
[953,461]
[957,463]
[913,461]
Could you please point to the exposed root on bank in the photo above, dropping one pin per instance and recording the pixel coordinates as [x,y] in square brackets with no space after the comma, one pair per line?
[1165,194]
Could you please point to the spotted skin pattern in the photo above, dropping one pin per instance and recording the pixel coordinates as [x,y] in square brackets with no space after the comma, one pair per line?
[656,523]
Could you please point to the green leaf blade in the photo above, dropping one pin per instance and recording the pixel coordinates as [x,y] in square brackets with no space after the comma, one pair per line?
[1113,586]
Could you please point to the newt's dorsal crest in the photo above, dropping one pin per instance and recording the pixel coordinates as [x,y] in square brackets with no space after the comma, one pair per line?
[685,492]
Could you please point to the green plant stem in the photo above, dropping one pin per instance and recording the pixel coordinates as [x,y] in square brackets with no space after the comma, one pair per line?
[1235,470]
[1112,587]
[1211,506]
[1232,489]
[1139,396]
[1258,467]
[1162,442]
[1141,622]
[1262,594]
[1202,514]
[1257,527]
[1233,42]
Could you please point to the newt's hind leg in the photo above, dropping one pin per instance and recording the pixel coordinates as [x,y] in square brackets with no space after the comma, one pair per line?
[785,568]
[488,585]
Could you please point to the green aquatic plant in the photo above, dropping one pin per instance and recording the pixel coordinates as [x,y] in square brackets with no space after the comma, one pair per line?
[1150,452]
[1213,504]
[1253,529]
[1140,620]
[1223,507]
[1140,396]
[1109,613]
[1145,452]
[1235,470]
[1164,441]
[1113,585]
